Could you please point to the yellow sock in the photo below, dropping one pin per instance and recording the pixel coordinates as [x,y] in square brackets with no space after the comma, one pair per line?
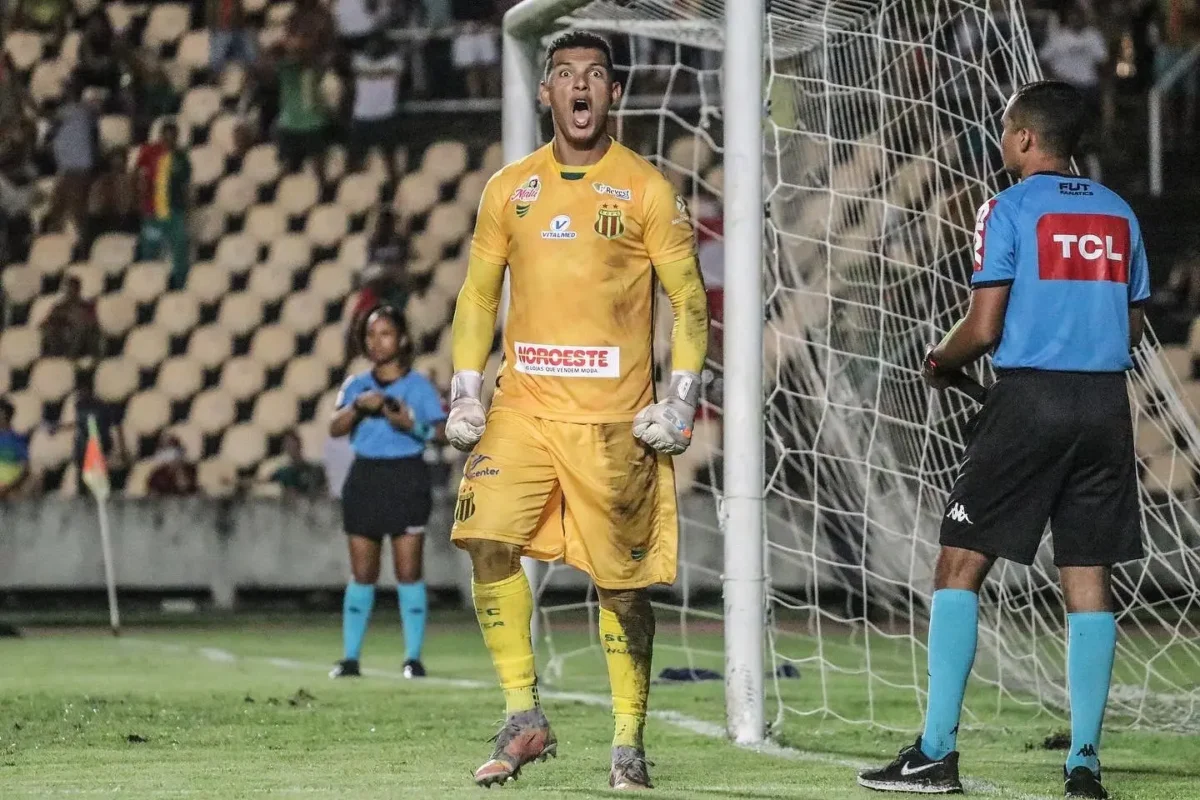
[628,655]
[504,610]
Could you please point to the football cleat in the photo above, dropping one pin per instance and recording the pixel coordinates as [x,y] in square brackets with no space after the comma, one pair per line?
[913,771]
[413,668]
[1082,782]
[525,737]
[346,668]
[629,769]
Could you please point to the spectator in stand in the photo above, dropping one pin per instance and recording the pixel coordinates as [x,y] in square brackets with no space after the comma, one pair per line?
[475,49]
[163,183]
[112,438]
[14,455]
[76,147]
[1075,52]
[70,330]
[384,280]
[376,90]
[312,26]
[303,122]
[297,476]
[112,206]
[229,38]
[103,60]
[173,476]
[357,21]
[155,96]
[16,104]
[47,17]
[1177,31]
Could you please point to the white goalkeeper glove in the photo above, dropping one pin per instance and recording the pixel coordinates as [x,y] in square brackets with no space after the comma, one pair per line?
[464,425]
[667,425]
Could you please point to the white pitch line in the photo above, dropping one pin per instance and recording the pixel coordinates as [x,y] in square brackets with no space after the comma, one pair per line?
[699,727]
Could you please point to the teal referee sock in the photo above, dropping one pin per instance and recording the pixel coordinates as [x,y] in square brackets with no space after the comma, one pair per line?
[953,630]
[414,605]
[1091,645]
[356,613]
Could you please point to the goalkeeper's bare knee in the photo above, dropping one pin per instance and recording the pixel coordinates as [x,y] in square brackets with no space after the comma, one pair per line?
[492,561]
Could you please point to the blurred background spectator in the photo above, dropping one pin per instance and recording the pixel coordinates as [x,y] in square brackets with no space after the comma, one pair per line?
[377,72]
[477,46]
[164,181]
[297,476]
[174,475]
[14,455]
[230,38]
[46,17]
[76,155]
[70,330]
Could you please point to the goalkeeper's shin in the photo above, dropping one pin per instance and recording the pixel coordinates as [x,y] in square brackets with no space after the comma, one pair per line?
[628,640]
[505,610]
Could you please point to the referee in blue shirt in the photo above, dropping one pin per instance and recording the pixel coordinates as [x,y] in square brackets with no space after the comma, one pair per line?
[1059,276]
[390,413]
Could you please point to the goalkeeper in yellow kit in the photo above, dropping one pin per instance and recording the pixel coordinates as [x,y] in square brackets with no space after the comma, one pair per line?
[572,461]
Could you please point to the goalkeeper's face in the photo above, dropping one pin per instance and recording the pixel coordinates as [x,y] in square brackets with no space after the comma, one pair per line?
[579,89]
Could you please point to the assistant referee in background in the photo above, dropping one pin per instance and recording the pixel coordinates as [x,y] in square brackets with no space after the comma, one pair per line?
[1059,274]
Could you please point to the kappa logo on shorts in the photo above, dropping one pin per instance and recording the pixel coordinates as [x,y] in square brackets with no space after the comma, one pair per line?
[475,469]
[464,509]
[958,514]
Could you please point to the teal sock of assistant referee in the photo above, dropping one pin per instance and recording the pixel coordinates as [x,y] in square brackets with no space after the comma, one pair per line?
[414,603]
[1091,644]
[953,623]
[356,613]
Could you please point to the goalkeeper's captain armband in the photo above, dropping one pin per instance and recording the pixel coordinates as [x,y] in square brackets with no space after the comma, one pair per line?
[464,425]
[667,425]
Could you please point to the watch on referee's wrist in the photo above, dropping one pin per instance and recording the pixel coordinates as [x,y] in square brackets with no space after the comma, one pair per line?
[930,364]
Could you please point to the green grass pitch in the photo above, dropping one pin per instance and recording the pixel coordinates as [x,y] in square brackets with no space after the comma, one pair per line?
[241,708]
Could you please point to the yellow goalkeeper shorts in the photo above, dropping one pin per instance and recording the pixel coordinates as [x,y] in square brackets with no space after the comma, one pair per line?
[588,493]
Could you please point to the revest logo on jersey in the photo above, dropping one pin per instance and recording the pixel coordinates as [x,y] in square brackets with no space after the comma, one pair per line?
[681,211]
[560,228]
[1083,247]
[620,194]
[526,194]
[568,360]
[609,222]
[981,231]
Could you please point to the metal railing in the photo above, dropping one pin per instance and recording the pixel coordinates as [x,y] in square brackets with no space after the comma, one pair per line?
[1185,66]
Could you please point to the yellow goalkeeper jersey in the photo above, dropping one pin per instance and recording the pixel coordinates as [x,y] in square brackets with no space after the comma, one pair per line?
[580,244]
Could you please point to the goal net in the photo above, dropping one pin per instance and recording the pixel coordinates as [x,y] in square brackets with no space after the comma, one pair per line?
[881,141]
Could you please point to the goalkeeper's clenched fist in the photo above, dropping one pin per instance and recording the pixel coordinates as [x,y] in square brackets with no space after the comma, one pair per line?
[464,426]
[667,425]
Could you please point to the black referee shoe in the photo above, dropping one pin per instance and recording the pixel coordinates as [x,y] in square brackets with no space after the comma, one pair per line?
[414,669]
[346,668]
[1082,782]
[913,771]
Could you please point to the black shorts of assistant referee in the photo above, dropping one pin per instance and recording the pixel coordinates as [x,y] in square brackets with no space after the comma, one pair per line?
[1051,447]
[386,496]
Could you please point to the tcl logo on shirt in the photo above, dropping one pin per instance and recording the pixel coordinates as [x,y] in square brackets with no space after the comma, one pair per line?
[981,231]
[1083,247]
[568,360]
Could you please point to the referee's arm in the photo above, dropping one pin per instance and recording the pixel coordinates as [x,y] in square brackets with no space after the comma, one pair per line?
[978,332]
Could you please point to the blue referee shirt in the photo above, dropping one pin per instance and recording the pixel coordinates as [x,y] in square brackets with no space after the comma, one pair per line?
[1072,251]
[374,437]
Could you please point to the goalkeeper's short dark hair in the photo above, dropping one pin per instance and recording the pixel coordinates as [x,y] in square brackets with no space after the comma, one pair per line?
[1055,110]
[577,38]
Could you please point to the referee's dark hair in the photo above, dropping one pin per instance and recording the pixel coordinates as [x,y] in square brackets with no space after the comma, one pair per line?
[572,39]
[1055,110]
[404,348]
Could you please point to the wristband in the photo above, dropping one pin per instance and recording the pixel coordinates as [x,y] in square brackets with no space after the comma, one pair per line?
[465,383]
[422,431]
[685,386]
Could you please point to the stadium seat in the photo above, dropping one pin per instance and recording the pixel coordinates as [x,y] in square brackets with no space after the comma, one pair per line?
[147,346]
[435,368]
[1178,360]
[326,405]
[444,161]
[493,159]
[335,163]
[306,377]
[470,190]
[91,280]
[241,312]
[330,346]
[275,411]
[193,50]
[449,276]
[332,90]
[217,477]
[207,282]
[416,194]
[208,165]
[278,13]
[714,180]
[68,52]
[303,312]
[312,438]
[233,81]
[191,438]
[424,314]
[326,225]
[52,379]
[120,15]
[690,153]
[261,165]
[243,445]
[27,411]
[116,313]
[330,281]
[266,223]
[448,223]
[177,313]
[298,193]
[273,345]
[212,411]
[222,133]
[116,132]
[115,379]
[5,379]
[207,225]
[21,284]
[24,48]
[137,482]
[47,81]
[50,254]
[209,346]
[243,377]
[145,281]
[166,24]
[146,414]
[40,309]
[180,378]
[270,284]
[292,252]
[20,347]
[50,448]
[353,252]
[235,194]
[1169,474]
[1151,439]
[236,253]
[357,194]
[1193,340]
[112,253]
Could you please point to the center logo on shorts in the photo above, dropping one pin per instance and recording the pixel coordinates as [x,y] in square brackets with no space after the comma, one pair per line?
[609,222]
[465,508]
[560,228]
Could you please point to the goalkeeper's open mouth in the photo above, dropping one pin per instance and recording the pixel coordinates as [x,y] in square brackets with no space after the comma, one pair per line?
[581,113]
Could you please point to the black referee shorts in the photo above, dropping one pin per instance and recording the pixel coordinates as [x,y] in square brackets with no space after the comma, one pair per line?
[386,497]
[1051,447]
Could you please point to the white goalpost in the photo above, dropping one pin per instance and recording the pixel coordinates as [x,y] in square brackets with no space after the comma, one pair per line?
[833,154]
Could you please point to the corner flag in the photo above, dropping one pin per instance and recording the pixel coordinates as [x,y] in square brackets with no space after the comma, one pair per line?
[95,471]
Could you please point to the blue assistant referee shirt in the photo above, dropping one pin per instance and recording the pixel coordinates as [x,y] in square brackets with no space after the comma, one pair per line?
[374,437]
[1072,252]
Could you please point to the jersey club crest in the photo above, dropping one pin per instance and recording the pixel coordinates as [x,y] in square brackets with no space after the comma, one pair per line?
[610,223]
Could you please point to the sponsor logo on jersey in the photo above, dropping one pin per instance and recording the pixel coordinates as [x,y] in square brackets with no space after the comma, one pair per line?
[620,194]
[528,191]
[981,231]
[560,228]
[568,360]
[609,222]
[475,468]
[464,509]
[1074,188]
[1083,247]
[681,211]
[958,514]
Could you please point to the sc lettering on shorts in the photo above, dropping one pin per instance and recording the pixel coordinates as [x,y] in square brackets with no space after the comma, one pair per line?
[1083,247]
